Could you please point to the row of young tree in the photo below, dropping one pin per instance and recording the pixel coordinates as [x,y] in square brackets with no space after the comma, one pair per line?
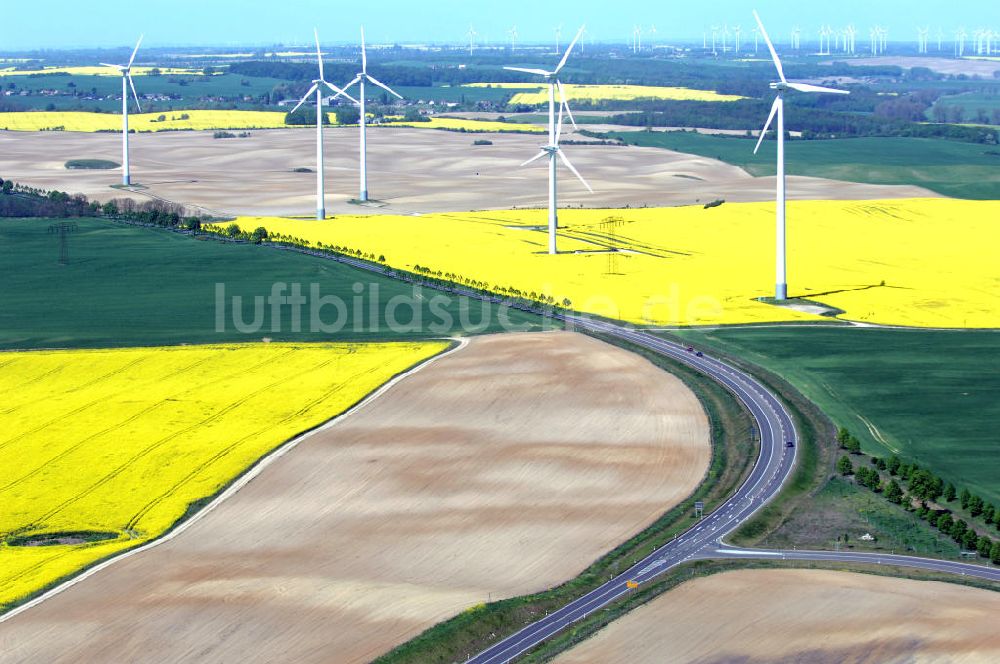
[813,122]
[920,491]
[22,201]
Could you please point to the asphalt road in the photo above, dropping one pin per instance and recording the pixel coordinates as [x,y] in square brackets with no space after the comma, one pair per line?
[704,540]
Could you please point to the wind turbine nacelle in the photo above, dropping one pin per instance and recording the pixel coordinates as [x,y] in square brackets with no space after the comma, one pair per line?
[779,86]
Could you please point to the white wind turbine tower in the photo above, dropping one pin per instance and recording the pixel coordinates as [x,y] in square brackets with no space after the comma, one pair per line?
[960,36]
[558,37]
[738,31]
[552,150]
[513,38]
[361,79]
[472,38]
[715,34]
[652,36]
[316,88]
[126,72]
[778,108]
[756,40]
[940,38]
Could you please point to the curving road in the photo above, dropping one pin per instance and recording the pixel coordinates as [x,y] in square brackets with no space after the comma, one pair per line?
[704,540]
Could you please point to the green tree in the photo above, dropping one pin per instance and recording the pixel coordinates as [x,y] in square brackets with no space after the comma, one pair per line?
[995,553]
[881,463]
[843,435]
[348,115]
[233,230]
[949,492]
[975,505]
[844,466]
[988,513]
[259,235]
[854,445]
[970,540]
[983,546]
[944,523]
[958,530]
[893,464]
[894,493]
[964,498]
[413,114]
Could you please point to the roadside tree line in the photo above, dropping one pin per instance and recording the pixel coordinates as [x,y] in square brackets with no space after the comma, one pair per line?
[920,491]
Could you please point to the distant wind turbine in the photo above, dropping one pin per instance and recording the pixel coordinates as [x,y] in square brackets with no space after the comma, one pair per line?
[360,79]
[126,72]
[317,84]
[778,108]
[552,150]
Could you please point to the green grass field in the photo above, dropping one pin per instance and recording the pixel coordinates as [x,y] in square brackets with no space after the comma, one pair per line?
[951,168]
[127,286]
[930,396]
[971,103]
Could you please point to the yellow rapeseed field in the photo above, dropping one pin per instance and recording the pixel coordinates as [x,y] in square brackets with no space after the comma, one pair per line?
[123,441]
[928,263]
[142,122]
[461,124]
[609,93]
[80,121]
[99,71]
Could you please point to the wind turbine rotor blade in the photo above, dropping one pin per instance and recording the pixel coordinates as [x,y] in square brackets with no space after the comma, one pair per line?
[570,166]
[118,67]
[767,125]
[340,93]
[535,158]
[354,81]
[136,50]
[770,47]
[319,54]
[565,105]
[565,56]
[562,105]
[305,97]
[536,72]
[383,86]
[364,52]
[134,95]
[805,87]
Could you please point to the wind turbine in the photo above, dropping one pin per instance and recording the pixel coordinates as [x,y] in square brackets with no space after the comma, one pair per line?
[552,150]
[778,108]
[738,31]
[360,79]
[558,37]
[126,72]
[472,37]
[316,83]
[513,38]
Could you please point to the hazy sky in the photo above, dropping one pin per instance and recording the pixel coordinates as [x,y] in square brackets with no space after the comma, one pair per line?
[75,23]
